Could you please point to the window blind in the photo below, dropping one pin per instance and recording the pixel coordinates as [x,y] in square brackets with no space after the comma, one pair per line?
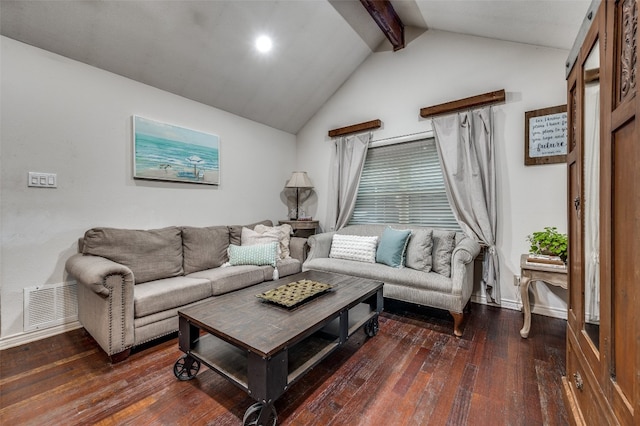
[403,183]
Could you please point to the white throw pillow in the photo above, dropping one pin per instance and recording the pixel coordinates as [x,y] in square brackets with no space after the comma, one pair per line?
[354,247]
[249,237]
[284,236]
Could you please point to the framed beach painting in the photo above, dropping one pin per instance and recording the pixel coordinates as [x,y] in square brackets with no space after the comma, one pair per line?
[167,152]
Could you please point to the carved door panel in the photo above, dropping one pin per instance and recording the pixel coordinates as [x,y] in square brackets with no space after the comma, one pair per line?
[574,201]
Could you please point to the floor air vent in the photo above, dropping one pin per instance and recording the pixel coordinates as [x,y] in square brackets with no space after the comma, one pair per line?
[50,305]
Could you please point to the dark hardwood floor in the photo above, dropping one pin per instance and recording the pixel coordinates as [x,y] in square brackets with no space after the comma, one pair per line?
[414,372]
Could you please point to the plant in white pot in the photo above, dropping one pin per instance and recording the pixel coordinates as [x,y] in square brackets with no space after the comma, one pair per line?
[549,242]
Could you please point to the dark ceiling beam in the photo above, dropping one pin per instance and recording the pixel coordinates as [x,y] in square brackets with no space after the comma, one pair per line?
[387,19]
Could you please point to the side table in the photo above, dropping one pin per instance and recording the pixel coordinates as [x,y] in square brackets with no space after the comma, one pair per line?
[556,276]
[301,228]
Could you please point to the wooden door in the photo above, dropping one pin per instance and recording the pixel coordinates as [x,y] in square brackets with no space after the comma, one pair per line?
[621,213]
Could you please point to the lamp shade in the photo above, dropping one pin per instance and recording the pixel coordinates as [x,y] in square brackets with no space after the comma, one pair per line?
[299,180]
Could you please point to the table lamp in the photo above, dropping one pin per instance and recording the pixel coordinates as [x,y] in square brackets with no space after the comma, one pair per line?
[299,180]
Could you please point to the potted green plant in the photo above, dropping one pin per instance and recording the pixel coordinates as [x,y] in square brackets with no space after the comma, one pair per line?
[549,242]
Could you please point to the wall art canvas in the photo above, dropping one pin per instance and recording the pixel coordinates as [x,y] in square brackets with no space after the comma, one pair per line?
[167,152]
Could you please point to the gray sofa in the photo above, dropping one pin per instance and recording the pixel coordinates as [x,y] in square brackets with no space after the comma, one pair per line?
[131,283]
[438,273]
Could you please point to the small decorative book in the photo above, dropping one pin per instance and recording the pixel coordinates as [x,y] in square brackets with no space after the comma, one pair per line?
[295,293]
[544,259]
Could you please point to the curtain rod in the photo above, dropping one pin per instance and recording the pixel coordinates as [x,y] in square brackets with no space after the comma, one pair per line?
[354,128]
[402,138]
[466,103]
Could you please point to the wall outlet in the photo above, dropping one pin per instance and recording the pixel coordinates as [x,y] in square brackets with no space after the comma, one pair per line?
[516,280]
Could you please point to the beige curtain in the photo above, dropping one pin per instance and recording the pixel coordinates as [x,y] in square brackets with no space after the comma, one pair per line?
[465,147]
[347,161]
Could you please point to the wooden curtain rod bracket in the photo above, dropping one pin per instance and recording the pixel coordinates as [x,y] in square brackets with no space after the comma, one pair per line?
[466,103]
[367,125]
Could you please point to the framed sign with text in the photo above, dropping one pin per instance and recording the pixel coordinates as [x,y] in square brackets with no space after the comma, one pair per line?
[545,136]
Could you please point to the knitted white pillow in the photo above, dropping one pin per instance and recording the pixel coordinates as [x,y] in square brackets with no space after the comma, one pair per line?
[354,247]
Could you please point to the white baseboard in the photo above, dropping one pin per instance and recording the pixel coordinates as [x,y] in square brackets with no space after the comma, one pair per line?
[549,311]
[516,305]
[32,336]
[23,338]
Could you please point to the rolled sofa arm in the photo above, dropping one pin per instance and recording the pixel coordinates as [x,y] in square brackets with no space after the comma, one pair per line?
[465,251]
[105,300]
[462,259]
[319,246]
[92,271]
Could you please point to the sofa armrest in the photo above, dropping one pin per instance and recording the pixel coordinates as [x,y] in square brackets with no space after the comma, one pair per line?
[465,251]
[92,271]
[105,301]
[462,259]
[319,245]
[298,248]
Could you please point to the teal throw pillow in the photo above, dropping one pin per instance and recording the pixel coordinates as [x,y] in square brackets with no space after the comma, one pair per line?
[257,254]
[392,246]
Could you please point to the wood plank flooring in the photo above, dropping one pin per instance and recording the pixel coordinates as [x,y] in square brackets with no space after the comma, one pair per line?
[414,372]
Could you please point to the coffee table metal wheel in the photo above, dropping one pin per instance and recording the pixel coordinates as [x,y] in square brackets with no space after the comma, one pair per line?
[252,417]
[371,327]
[186,367]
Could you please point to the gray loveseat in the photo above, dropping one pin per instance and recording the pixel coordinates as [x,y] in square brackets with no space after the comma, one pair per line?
[438,270]
[131,283]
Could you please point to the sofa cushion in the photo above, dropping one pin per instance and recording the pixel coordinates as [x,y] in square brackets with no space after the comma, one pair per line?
[235,231]
[443,244]
[354,247]
[204,248]
[419,250]
[379,272]
[286,267]
[284,237]
[257,254]
[150,254]
[392,247]
[160,295]
[231,278]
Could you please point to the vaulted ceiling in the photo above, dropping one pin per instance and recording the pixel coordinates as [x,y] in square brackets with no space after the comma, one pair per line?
[204,50]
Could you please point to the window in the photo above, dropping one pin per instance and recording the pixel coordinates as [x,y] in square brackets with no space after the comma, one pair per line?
[402,183]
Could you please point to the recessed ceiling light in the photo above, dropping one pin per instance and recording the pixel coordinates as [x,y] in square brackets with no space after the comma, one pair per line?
[263,44]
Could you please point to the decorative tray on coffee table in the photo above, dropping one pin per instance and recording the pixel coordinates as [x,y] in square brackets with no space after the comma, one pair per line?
[295,293]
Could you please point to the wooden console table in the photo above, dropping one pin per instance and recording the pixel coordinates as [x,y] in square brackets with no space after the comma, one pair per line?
[301,228]
[537,272]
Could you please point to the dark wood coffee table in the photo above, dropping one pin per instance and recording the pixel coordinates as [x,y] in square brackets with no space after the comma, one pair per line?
[264,348]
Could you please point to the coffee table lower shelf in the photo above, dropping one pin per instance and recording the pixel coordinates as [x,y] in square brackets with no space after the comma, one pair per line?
[267,378]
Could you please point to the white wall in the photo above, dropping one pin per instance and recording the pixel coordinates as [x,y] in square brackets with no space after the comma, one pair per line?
[438,67]
[65,117]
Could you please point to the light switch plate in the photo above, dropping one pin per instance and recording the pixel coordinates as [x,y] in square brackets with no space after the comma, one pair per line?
[42,180]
